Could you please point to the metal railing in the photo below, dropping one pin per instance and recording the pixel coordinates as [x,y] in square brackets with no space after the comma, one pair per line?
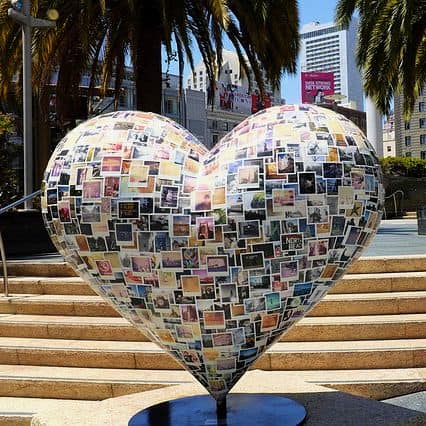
[2,250]
[393,195]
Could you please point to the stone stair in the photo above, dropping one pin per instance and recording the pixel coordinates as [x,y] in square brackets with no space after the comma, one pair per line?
[60,342]
[410,215]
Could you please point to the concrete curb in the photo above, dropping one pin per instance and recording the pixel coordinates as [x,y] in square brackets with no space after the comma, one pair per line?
[325,406]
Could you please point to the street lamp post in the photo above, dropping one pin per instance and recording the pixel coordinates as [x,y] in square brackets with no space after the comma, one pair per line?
[21,13]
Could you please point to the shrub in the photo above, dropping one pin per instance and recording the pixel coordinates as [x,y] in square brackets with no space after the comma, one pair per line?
[8,151]
[403,166]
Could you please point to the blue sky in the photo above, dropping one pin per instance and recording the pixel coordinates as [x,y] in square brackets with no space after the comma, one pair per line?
[309,10]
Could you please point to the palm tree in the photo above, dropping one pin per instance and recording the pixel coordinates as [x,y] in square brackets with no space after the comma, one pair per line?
[391,48]
[97,35]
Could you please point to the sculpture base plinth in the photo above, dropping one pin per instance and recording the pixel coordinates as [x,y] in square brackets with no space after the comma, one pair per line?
[241,409]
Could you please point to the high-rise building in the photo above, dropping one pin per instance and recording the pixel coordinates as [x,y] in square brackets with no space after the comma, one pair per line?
[328,47]
[410,136]
[233,101]
[389,149]
[229,75]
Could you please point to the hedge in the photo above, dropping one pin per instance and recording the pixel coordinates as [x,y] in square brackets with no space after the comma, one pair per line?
[403,166]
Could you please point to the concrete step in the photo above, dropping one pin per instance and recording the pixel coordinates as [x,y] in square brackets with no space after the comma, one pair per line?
[97,384]
[68,327]
[404,353]
[48,285]
[31,268]
[369,327]
[380,283]
[15,419]
[334,328]
[83,383]
[375,384]
[19,411]
[49,304]
[350,283]
[408,302]
[410,215]
[364,265]
[386,264]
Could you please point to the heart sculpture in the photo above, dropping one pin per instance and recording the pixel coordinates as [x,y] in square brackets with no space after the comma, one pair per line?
[213,254]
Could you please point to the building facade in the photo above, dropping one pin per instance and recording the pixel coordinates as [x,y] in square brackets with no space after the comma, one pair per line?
[186,108]
[410,136]
[232,101]
[389,148]
[328,47]
[219,123]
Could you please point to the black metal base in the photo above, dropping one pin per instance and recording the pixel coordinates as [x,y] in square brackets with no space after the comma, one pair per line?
[238,410]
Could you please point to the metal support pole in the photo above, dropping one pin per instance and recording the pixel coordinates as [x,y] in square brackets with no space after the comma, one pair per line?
[27,22]
[27,105]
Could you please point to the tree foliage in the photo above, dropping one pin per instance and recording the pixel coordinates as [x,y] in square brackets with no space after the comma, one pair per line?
[403,166]
[97,36]
[391,51]
[8,152]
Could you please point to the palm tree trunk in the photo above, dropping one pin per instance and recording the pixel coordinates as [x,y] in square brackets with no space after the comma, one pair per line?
[147,59]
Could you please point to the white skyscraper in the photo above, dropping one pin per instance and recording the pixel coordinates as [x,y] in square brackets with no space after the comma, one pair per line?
[327,47]
[233,101]
[229,75]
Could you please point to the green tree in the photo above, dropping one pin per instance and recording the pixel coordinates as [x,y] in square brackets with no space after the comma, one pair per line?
[391,48]
[8,152]
[403,166]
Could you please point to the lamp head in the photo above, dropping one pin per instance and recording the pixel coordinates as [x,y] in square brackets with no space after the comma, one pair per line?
[16,4]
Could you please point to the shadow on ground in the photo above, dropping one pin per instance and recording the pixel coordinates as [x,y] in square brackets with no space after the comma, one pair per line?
[342,409]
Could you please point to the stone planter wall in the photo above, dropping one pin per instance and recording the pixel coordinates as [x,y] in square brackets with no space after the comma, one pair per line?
[24,234]
[414,194]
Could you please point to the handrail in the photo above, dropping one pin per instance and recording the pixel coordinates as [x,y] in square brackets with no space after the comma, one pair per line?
[396,192]
[2,250]
[4,262]
[20,201]
[394,200]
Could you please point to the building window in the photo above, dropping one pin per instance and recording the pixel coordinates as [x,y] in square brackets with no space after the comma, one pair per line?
[169,106]
[423,139]
[422,123]
[423,155]
[422,106]
[215,139]
[407,140]
[406,125]
[408,154]
[388,148]
[212,124]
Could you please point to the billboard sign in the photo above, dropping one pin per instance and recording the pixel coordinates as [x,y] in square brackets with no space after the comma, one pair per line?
[316,86]
[229,97]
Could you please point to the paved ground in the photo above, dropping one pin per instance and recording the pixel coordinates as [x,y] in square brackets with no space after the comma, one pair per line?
[397,237]
[414,401]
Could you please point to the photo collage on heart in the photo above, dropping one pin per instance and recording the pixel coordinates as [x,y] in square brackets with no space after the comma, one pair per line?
[214,254]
